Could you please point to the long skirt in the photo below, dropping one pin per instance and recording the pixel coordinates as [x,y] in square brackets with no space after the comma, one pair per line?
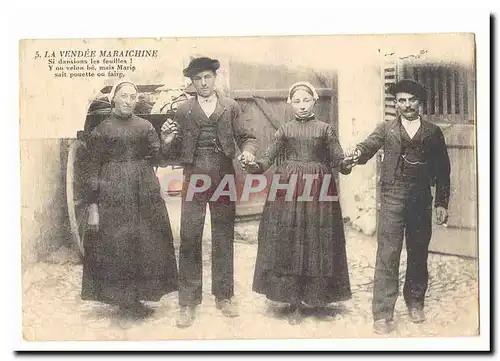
[301,253]
[131,257]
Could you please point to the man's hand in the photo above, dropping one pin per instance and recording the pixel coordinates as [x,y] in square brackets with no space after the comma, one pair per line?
[441,215]
[348,163]
[169,130]
[170,126]
[246,158]
[353,154]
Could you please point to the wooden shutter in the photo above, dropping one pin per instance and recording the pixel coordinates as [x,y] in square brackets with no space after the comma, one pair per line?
[450,91]
[390,77]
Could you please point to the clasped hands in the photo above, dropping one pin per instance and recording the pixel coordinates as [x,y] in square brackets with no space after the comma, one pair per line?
[247,162]
[351,157]
[169,130]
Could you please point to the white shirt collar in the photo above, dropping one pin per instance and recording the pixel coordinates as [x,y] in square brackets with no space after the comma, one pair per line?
[211,99]
[208,105]
[411,126]
[410,123]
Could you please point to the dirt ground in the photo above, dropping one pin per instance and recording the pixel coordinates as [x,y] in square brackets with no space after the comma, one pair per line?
[53,310]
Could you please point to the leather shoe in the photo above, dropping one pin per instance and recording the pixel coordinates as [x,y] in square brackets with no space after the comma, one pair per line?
[228,308]
[136,310]
[186,317]
[382,327]
[417,315]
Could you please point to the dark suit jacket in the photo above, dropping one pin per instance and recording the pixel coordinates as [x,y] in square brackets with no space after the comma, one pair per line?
[387,135]
[230,129]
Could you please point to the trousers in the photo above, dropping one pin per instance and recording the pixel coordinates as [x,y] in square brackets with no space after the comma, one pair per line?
[193,211]
[406,212]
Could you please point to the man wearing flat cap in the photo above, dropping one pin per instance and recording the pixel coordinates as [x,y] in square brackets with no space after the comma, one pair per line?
[415,157]
[206,132]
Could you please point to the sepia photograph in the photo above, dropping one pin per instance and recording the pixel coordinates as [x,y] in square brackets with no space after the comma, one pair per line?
[250,188]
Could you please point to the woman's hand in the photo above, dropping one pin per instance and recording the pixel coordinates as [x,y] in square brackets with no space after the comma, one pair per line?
[169,131]
[253,168]
[246,158]
[170,126]
[93,217]
[348,163]
[168,138]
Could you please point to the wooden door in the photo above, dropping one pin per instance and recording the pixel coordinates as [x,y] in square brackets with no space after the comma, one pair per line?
[262,91]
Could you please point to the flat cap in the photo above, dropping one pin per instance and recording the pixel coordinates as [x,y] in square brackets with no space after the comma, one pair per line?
[408,86]
[200,64]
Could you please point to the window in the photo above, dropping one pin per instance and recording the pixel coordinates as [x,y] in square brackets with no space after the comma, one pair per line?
[450,91]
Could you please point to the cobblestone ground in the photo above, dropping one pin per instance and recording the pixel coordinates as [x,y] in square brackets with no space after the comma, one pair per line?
[53,310]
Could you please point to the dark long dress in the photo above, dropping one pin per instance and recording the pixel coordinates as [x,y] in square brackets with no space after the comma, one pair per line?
[131,258]
[301,252]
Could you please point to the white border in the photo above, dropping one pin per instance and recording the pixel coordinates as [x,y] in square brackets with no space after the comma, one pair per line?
[76,23]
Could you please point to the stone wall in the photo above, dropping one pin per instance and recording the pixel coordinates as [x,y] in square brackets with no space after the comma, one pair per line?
[360,110]
[44,221]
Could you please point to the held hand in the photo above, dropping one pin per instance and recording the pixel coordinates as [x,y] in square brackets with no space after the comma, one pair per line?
[93,217]
[169,137]
[348,163]
[349,152]
[170,126]
[253,168]
[441,216]
[357,154]
[353,154]
[246,158]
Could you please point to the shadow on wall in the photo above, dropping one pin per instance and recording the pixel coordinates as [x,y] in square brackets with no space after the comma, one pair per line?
[44,221]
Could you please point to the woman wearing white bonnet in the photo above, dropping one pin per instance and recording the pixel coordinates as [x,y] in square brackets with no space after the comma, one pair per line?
[130,256]
[304,85]
[117,86]
[301,256]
